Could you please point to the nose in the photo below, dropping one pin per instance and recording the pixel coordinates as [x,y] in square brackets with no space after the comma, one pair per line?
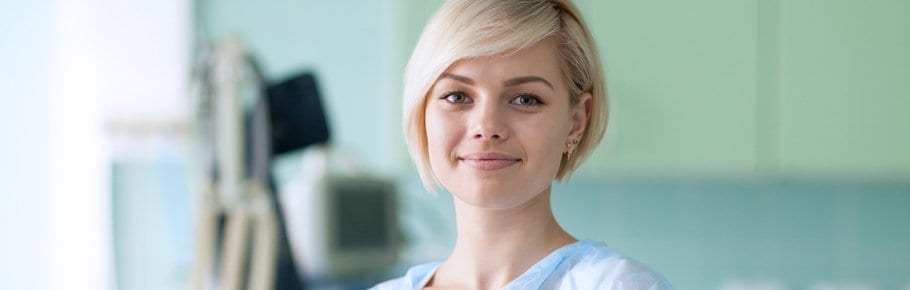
[489,123]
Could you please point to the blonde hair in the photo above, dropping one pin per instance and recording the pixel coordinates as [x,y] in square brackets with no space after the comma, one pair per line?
[463,29]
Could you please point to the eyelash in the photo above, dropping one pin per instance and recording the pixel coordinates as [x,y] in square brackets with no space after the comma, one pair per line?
[534,98]
[446,96]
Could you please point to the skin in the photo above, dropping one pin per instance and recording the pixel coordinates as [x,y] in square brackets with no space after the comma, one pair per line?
[497,128]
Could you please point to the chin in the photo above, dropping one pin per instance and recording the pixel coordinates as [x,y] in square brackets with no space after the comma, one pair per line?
[492,197]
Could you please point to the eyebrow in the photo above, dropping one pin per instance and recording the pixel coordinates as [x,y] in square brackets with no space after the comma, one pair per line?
[527,79]
[459,78]
[508,83]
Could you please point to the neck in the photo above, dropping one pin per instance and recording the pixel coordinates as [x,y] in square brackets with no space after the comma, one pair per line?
[495,246]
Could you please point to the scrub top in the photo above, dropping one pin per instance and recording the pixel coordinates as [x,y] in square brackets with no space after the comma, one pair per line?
[581,265]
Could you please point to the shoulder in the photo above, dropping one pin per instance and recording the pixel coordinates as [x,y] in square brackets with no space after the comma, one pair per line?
[593,265]
[413,279]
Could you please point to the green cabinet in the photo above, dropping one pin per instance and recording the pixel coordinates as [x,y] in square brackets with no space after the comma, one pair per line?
[740,87]
[844,94]
[681,78]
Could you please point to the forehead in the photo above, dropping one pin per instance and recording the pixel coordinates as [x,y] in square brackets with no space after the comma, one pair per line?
[541,59]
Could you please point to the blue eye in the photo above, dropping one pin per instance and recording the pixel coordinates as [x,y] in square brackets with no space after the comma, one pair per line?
[456,98]
[527,100]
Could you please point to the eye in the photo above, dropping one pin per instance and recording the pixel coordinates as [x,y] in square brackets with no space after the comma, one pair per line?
[456,98]
[527,100]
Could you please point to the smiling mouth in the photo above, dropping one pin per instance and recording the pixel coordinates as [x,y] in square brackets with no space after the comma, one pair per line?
[489,161]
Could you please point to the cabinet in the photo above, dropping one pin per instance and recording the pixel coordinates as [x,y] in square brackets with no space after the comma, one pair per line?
[845,87]
[682,83]
[779,87]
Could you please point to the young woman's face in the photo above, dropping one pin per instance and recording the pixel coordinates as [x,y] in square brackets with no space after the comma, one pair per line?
[497,126]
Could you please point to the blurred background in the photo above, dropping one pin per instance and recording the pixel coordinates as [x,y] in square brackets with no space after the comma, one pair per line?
[754,144]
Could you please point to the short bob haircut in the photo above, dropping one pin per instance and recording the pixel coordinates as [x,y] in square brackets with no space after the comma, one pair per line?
[463,29]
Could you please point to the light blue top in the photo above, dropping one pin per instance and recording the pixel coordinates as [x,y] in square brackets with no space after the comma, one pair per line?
[581,265]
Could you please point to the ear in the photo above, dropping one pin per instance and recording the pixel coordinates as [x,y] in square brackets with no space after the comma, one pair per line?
[580,113]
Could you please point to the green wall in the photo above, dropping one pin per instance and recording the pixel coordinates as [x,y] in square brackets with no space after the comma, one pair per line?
[353,46]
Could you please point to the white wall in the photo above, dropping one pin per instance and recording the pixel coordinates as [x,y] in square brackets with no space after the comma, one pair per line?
[25,143]
[69,68]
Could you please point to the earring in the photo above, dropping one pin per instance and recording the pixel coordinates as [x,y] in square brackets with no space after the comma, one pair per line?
[572,144]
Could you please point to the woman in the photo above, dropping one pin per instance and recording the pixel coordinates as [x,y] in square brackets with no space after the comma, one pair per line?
[501,98]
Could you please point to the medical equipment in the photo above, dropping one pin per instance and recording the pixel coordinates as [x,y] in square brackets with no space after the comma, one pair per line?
[239,235]
[344,225]
[334,225]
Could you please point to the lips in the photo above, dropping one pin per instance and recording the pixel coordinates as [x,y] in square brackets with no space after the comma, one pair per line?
[489,161]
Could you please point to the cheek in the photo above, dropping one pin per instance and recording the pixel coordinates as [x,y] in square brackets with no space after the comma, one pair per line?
[548,133]
[442,133]
[546,138]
